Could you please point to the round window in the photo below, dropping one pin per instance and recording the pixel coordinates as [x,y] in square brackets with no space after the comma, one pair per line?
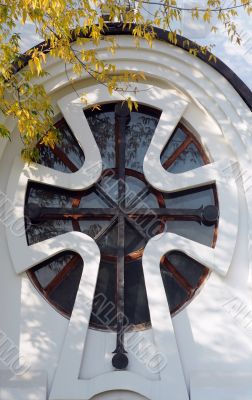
[121,212]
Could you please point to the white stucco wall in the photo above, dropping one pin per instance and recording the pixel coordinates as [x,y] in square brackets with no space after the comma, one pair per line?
[211,336]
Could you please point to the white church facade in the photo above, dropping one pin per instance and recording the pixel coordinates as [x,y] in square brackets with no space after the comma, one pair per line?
[126,252]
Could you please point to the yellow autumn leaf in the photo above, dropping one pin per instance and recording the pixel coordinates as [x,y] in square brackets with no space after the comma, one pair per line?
[136,105]
[32,66]
[207,16]
[130,103]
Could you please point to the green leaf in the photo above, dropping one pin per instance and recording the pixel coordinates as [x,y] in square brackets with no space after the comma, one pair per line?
[4,132]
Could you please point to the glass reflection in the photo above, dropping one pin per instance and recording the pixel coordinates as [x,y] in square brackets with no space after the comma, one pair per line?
[190,269]
[102,126]
[48,271]
[138,137]
[65,292]
[47,229]
[189,159]
[69,150]
[175,141]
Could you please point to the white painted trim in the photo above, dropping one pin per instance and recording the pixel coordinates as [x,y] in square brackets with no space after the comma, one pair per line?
[171,377]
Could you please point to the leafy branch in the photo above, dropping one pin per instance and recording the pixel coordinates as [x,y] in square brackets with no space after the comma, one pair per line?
[58,22]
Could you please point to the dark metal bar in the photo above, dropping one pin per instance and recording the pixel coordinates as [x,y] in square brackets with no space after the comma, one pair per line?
[122,118]
[36,213]
[120,284]
[152,212]
[207,215]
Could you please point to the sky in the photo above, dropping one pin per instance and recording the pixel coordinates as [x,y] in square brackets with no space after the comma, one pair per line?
[238,58]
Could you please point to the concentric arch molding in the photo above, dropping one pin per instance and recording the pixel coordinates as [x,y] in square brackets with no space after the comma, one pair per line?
[218,65]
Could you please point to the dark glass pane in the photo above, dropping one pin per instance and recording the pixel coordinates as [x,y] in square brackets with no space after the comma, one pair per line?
[136,304]
[153,226]
[175,141]
[108,242]
[193,198]
[176,295]
[150,201]
[92,200]
[192,230]
[138,137]
[65,293]
[189,159]
[92,228]
[104,309]
[190,269]
[49,159]
[47,229]
[45,196]
[102,126]
[47,271]
[109,185]
[133,239]
[132,188]
[69,146]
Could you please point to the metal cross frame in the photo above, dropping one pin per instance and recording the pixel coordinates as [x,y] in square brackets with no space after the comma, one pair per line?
[118,213]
